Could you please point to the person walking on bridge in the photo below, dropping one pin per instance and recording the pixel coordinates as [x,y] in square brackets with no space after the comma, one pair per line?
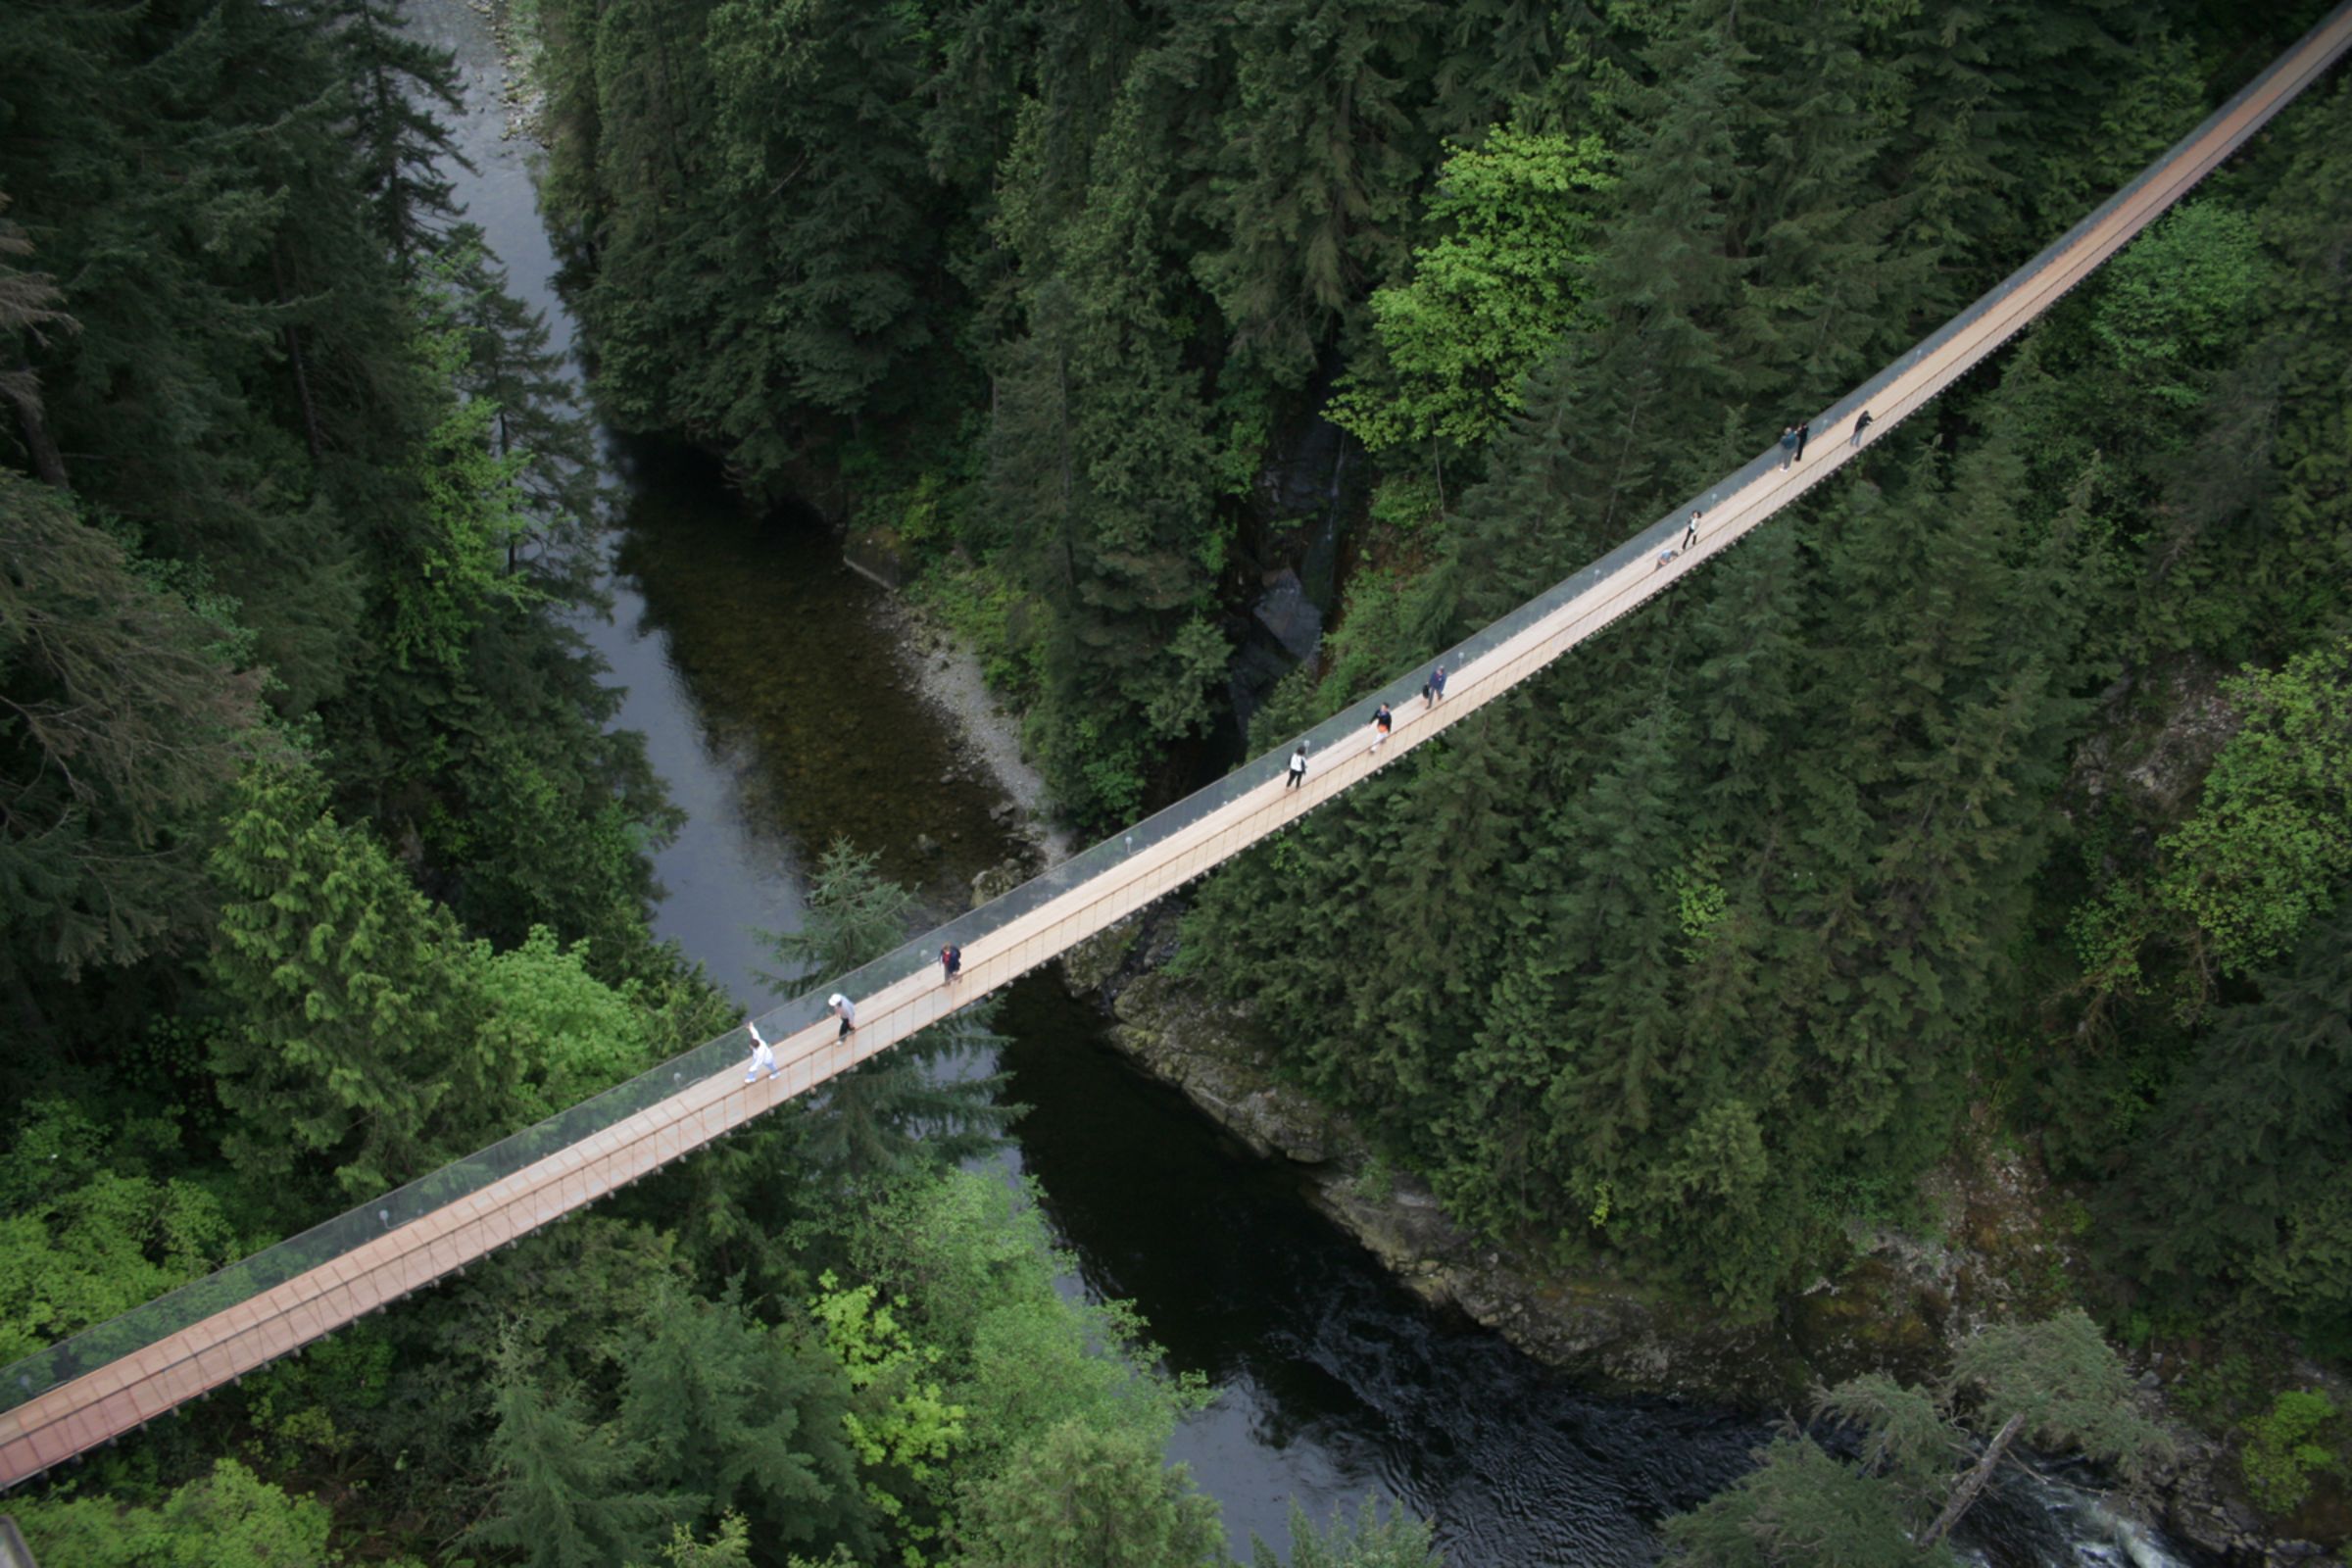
[1433,690]
[1298,769]
[1381,720]
[1860,424]
[951,963]
[1804,433]
[1787,447]
[847,1011]
[1690,531]
[762,1055]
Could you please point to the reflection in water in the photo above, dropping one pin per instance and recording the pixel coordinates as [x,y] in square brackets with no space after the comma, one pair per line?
[786,656]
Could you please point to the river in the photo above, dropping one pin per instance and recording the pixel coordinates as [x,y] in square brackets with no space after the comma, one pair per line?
[736,639]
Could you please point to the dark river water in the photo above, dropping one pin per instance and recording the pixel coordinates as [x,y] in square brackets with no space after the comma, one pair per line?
[768,681]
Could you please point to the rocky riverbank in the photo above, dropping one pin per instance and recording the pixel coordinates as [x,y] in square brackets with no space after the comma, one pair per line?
[1991,1240]
[948,676]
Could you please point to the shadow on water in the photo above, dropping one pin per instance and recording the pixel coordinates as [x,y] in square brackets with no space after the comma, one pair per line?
[1337,1381]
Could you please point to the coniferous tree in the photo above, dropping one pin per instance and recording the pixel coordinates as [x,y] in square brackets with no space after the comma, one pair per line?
[353,1036]
[1100,463]
[129,710]
[2239,1186]
[226,285]
[1366,1541]
[398,87]
[509,364]
[569,1494]
[819,109]
[28,314]
[1314,170]
[1082,1499]
[1819,107]
[733,1416]
[1535,57]
[908,1109]
[1895,1499]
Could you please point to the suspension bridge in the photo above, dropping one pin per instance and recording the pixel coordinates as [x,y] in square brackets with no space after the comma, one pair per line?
[113,1378]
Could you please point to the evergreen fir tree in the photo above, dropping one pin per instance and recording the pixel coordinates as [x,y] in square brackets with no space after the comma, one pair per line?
[1082,1499]
[910,1107]
[509,364]
[569,1494]
[732,1416]
[28,315]
[1319,155]
[2239,1186]
[129,713]
[397,86]
[354,1035]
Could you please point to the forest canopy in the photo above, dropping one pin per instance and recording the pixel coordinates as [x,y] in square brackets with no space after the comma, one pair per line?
[2001,785]
[1734,916]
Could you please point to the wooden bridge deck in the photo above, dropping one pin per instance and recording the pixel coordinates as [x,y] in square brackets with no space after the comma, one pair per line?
[73,1417]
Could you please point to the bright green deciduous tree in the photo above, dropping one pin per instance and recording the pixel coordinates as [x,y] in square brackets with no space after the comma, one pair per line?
[228,1519]
[2286,1445]
[2268,847]
[1082,1498]
[981,1355]
[1491,298]
[900,1426]
[570,1034]
[94,1225]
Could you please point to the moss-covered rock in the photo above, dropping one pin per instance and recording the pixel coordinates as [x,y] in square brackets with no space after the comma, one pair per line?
[1213,1053]
[1089,968]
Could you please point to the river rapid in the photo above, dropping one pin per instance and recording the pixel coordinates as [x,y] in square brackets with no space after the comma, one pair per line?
[780,705]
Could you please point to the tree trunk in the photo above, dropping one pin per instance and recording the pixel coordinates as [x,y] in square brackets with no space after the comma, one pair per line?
[294,356]
[1973,1483]
[302,391]
[48,464]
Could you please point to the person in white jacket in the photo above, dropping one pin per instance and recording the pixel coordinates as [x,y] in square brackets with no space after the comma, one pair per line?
[847,1011]
[762,1055]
